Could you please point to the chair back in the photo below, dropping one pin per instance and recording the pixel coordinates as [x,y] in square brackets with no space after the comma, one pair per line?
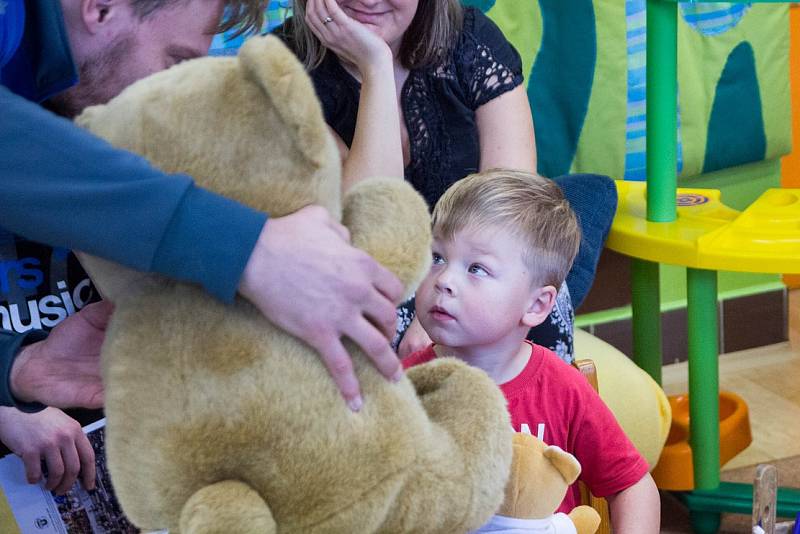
[589,371]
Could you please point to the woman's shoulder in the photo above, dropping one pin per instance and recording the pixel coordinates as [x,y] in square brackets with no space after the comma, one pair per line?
[486,63]
[479,29]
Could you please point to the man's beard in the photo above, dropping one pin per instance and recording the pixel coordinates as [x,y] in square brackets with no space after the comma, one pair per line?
[101,78]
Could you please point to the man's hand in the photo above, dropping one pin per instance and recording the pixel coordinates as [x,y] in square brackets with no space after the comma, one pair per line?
[52,436]
[306,278]
[64,369]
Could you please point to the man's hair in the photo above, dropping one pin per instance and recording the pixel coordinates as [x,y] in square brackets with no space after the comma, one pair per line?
[244,15]
[530,207]
[427,41]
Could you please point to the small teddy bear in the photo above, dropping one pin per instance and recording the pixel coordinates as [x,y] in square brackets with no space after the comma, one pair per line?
[540,476]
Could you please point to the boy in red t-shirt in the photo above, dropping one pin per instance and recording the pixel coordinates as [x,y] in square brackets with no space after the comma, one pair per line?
[503,242]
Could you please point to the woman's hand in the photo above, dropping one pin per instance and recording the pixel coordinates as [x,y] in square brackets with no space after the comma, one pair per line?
[376,148]
[349,39]
[415,339]
[52,436]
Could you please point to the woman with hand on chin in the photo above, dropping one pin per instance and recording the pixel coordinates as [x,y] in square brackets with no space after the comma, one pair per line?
[431,91]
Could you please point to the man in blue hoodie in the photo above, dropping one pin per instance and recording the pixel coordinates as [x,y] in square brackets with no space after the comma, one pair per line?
[63,186]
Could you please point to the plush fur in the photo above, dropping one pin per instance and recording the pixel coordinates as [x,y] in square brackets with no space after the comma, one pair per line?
[219,421]
[539,479]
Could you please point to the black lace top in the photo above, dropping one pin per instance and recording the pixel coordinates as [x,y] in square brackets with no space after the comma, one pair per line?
[438,103]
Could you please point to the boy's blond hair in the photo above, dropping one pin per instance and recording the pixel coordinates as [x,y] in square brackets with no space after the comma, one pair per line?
[530,207]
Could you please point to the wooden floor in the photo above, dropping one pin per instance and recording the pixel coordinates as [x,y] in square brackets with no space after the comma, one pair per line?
[768,378]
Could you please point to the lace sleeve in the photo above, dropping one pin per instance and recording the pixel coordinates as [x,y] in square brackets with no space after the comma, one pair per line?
[489,65]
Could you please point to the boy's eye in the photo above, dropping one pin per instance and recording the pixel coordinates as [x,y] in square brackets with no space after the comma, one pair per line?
[437,259]
[477,269]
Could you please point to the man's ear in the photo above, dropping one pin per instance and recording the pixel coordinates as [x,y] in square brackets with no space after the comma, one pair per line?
[541,302]
[99,15]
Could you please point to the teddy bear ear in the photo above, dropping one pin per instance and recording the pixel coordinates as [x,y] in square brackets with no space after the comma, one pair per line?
[567,465]
[275,69]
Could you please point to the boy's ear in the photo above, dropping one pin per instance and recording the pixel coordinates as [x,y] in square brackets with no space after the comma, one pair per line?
[542,301]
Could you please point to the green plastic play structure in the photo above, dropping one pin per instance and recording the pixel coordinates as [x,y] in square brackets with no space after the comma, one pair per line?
[778,222]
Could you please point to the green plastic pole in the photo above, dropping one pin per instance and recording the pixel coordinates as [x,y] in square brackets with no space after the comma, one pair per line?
[646,309]
[662,106]
[701,286]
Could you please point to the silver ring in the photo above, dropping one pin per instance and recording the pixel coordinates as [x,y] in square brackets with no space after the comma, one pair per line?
[327,20]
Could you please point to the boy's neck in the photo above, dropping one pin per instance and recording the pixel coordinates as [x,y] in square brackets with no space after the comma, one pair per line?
[502,364]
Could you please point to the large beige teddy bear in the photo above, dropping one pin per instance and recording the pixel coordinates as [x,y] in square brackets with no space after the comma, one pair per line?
[220,422]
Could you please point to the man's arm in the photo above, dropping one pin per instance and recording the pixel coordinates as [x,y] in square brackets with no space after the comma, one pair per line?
[116,204]
[299,270]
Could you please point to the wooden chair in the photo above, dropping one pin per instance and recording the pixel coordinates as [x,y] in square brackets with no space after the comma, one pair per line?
[589,371]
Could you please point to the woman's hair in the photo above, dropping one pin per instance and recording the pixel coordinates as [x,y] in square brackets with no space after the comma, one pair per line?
[527,206]
[427,41]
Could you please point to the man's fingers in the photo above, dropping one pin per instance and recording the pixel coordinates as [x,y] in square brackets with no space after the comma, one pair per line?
[387,283]
[382,313]
[86,457]
[55,467]
[340,366]
[365,335]
[33,466]
[72,466]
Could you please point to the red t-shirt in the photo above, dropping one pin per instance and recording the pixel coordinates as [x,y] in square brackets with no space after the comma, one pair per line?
[551,400]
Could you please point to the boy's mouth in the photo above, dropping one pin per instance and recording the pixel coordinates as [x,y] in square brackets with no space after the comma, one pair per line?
[440,314]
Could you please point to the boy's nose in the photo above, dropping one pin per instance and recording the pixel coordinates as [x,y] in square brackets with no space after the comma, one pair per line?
[444,283]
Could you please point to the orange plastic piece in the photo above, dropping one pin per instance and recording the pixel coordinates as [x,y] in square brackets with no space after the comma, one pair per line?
[791,163]
[674,470]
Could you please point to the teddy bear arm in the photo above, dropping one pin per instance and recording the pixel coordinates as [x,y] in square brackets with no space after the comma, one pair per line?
[586,519]
[229,506]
